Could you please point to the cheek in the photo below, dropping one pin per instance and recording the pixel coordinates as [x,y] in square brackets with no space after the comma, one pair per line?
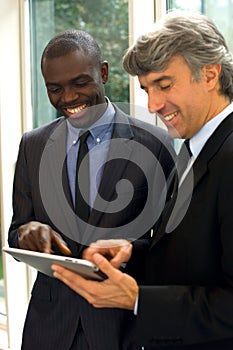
[98,96]
[53,99]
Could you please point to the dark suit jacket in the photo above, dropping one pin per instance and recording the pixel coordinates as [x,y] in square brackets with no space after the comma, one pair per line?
[187,299]
[55,310]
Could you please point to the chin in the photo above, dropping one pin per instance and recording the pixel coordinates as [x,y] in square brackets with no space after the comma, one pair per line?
[78,123]
[173,133]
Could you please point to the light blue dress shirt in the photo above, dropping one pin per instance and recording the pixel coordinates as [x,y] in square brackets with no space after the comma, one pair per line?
[98,145]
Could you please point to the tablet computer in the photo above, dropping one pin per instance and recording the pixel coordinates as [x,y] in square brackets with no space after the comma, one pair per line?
[42,262]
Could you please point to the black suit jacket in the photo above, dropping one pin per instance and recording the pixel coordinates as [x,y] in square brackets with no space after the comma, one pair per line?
[55,310]
[187,299]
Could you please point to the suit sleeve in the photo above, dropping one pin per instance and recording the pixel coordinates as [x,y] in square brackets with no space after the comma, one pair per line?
[22,197]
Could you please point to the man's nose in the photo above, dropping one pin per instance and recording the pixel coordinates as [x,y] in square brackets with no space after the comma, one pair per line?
[156,102]
[69,95]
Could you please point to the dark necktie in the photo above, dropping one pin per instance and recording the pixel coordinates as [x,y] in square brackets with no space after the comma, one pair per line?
[181,165]
[182,161]
[183,157]
[82,186]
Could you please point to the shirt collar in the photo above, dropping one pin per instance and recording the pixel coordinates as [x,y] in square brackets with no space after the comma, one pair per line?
[97,130]
[199,139]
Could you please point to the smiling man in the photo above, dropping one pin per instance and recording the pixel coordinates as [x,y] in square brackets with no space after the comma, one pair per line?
[49,213]
[73,82]
[185,301]
[178,97]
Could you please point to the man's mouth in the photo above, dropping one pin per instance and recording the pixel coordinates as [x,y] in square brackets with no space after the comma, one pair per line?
[169,117]
[77,109]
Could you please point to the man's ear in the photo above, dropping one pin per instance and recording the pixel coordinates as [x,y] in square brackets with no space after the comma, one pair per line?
[211,74]
[104,71]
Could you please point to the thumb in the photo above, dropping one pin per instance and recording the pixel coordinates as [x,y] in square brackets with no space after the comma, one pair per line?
[105,266]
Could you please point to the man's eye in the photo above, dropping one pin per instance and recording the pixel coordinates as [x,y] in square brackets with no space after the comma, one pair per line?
[54,90]
[81,83]
[165,87]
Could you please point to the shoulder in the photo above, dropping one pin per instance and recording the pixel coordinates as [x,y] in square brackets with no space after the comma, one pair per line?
[43,132]
[45,129]
[139,127]
[154,138]
[36,139]
[150,135]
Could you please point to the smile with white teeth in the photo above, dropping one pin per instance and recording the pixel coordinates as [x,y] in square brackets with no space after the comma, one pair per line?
[170,116]
[76,109]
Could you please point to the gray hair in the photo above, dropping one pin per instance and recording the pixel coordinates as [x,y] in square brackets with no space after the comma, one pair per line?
[192,36]
[70,41]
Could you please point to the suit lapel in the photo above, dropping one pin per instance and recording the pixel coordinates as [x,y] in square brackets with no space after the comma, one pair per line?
[56,149]
[211,148]
[190,183]
[54,188]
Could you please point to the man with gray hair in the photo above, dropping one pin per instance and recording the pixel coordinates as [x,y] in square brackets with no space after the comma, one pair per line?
[186,298]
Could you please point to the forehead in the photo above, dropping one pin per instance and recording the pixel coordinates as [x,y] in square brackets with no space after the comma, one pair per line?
[73,63]
[176,68]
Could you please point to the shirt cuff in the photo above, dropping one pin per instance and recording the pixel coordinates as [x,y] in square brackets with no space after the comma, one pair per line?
[136,306]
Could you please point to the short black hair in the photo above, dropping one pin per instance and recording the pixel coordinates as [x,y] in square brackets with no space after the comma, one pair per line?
[70,41]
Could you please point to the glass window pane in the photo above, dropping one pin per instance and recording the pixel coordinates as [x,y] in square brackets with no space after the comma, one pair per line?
[221,13]
[105,20]
[194,5]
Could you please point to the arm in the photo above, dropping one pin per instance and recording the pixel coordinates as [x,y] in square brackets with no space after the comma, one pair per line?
[25,231]
[178,305]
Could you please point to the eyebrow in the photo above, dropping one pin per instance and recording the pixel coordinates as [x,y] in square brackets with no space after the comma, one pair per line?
[81,76]
[78,77]
[155,81]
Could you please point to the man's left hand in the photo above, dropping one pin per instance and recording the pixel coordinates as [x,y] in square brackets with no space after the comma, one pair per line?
[119,290]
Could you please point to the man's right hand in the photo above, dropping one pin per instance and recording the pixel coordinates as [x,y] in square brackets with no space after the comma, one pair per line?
[40,237]
[117,251]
